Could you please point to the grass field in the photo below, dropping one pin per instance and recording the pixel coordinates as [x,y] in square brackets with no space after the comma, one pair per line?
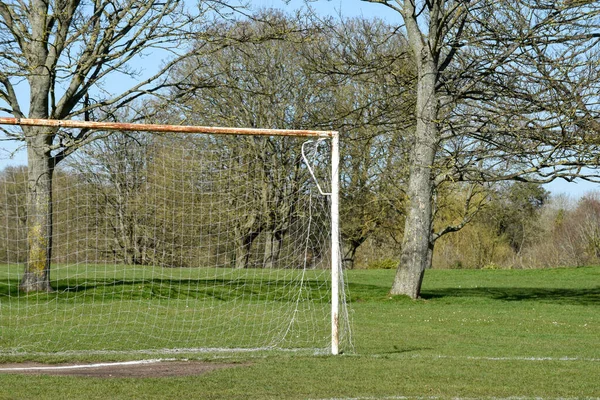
[475,334]
[117,308]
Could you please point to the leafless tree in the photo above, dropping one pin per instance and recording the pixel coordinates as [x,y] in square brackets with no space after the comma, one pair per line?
[13,214]
[309,73]
[368,64]
[74,59]
[503,92]
[113,170]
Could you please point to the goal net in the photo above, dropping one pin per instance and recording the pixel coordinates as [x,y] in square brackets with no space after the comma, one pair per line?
[180,242]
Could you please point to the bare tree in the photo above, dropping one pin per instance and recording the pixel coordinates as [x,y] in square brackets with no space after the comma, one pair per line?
[370,73]
[257,81]
[490,102]
[114,171]
[300,72]
[65,53]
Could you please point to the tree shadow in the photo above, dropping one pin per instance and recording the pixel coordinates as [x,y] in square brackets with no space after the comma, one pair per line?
[403,350]
[214,288]
[589,296]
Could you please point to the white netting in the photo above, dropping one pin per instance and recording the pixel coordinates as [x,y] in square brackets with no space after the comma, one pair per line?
[174,242]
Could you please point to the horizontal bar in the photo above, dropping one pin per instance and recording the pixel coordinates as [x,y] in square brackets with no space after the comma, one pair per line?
[117,126]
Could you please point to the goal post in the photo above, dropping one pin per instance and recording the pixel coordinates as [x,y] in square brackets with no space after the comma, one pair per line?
[268,262]
[335,245]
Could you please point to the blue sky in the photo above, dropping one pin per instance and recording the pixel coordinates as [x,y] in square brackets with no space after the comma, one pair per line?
[349,8]
[574,190]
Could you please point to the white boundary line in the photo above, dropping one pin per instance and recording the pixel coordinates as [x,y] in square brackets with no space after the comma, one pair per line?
[487,358]
[459,398]
[516,358]
[84,366]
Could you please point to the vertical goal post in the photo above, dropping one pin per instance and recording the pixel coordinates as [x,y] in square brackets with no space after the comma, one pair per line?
[334,193]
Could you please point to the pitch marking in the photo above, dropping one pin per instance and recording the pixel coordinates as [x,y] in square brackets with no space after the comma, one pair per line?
[82,366]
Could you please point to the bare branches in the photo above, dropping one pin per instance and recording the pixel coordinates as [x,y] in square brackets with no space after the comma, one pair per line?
[396,5]
[518,96]
[64,51]
[10,97]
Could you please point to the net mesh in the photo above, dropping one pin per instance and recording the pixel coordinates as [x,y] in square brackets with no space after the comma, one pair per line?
[165,241]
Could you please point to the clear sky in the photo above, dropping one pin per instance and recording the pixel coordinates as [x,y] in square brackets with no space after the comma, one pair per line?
[347,8]
[574,190]
[353,8]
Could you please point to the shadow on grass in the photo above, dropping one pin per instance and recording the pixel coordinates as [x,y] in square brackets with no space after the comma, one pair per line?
[590,296]
[400,350]
[282,291]
[217,289]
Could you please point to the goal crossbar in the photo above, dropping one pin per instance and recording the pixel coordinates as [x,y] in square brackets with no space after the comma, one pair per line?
[162,128]
[119,126]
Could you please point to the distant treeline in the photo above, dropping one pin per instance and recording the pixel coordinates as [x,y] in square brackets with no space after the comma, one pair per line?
[177,202]
[148,199]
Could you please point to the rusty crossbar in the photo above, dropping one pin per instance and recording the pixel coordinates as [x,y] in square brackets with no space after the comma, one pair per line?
[118,126]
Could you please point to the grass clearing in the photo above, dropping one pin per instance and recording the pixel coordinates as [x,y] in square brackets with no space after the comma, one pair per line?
[475,334]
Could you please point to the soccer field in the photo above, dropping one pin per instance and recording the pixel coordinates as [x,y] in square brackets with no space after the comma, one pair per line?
[128,309]
[476,334]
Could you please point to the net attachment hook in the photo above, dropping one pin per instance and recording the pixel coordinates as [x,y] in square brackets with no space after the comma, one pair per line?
[310,169]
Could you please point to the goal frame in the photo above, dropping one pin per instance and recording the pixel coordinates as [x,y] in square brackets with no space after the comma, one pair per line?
[334,193]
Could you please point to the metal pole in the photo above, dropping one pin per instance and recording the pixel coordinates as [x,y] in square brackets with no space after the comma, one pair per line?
[335,243]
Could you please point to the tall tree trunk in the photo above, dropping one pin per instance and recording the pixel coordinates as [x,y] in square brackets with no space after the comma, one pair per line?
[417,231]
[36,277]
[40,162]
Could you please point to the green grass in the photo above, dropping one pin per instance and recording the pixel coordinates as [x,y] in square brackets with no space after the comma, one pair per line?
[132,308]
[475,334]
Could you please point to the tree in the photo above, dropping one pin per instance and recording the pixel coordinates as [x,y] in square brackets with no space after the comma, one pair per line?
[65,52]
[489,106]
[515,214]
[296,73]
[13,214]
[256,81]
[367,69]
[113,170]
[571,232]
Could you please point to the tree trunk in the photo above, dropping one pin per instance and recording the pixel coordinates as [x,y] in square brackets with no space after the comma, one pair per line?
[243,250]
[242,255]
[417,232]
[273,243]
[36,277]
[350,256]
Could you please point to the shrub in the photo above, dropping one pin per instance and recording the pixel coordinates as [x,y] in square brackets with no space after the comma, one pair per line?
[386,263]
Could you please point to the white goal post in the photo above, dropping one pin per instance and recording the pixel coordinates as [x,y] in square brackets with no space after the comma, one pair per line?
[335,286]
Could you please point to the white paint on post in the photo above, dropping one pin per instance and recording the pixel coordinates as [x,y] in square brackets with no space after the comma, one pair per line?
[335,242]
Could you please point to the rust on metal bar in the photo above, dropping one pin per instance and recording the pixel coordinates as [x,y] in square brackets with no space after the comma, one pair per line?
[117,126]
